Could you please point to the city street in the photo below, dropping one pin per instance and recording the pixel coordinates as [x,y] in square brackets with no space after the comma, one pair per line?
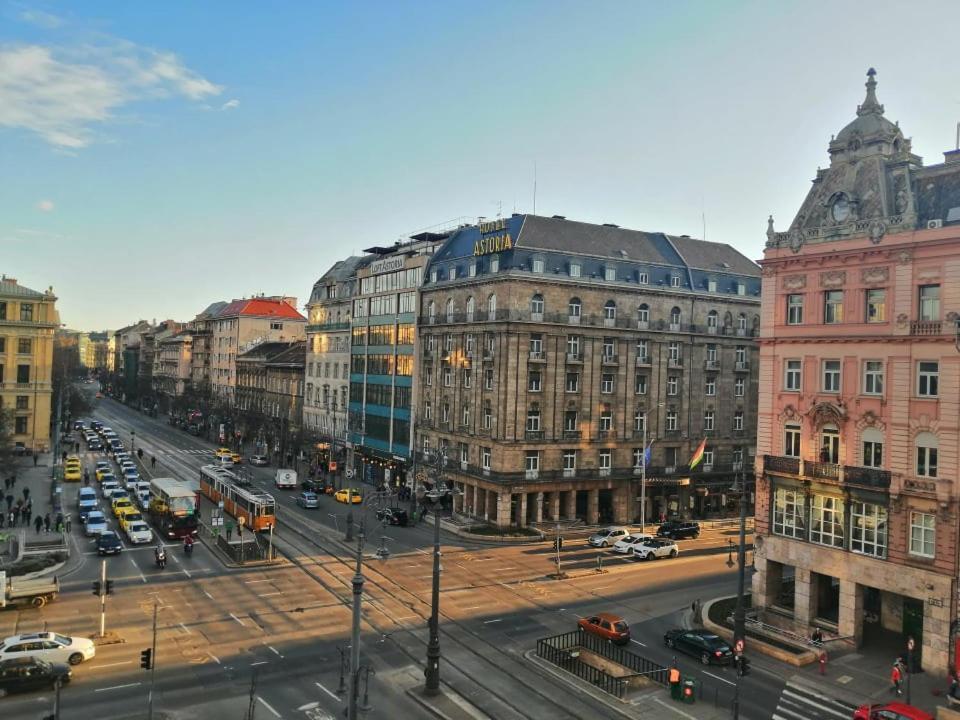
[219,625]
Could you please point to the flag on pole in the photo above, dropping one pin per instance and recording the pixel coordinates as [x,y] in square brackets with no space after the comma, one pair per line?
[647,454]
[698,454]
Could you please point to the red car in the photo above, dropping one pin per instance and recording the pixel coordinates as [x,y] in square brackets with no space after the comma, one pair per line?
[891,711]
[607,626]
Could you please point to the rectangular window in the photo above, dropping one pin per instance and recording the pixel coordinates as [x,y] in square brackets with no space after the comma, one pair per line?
[826,521]
[923,535]
[574,270]
[23,374]
[873,453]
[639,421]
[533,421]
[606,383]
[673,385]
[606,419]
[675,281]
[487,417]
[3,311]
[831,376]
[570,460]
[640,384]
[674,352]
[708,421]
[20,426]
[536,344]
[472,270]
[833,306]
[738,420]
[23,402]
[23,346]
[573,382]
[531,461]
[929,303]
[876,305]
[538,265]
[643,278]
[872,377]
[671,419]
[791,375]
[485,458]
[26,312]
[573,344]
[643,349]
[928,379]
[610,274]
[794,309]
[605,460]
[739,387]
[535,381]
[570,422]
[447,377]
[711,353]
[926,461]
[608,347]
[788,514]
[638,457]
[494,264]
[488,379]
[710,387]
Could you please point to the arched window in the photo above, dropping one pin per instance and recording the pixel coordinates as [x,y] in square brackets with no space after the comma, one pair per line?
[713,320]
[675,319]
[491,306]
[573,307]
[470,308]
[927,446]
[610,310]
[643,316]
[432,312]
[872,447]
[450,310]
[536,304]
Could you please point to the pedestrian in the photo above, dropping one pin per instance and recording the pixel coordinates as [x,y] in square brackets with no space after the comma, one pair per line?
[46,523]
[12,519]
[26,493]
[896,677]
[229,530]
[3,519]
[68,522]
[13,480]
[37,523]
[34,459]
[6,483]
[26,512]
[153,462]
[817,638]
[9,502]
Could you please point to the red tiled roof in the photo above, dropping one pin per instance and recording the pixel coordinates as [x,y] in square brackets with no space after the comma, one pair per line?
[261,307]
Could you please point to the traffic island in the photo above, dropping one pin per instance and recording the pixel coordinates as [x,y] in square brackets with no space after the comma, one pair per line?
[108,638]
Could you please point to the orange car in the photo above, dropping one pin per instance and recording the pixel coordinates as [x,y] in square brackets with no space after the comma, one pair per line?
[607,626]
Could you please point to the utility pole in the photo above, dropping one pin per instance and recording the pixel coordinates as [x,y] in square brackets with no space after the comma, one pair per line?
[433,646]
[252,705]
[739,612]
[355,634]
[153,663]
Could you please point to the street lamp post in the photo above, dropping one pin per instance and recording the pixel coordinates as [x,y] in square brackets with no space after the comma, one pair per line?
[355,634]
[739,612]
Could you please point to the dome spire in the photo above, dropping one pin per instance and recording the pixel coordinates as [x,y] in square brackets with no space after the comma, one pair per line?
[870,104]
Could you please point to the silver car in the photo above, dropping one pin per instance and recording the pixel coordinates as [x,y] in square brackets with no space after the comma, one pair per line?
[95,523]
[48,646]
[608,536]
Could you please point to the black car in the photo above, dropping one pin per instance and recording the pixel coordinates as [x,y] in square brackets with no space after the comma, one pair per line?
[393,516]
[27,673]
[710,648]
[108,543]
[678,530]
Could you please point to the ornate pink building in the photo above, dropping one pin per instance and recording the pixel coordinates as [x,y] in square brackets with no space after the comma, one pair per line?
[857,516]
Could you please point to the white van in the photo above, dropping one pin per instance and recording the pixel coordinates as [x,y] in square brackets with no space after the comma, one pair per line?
[285,478]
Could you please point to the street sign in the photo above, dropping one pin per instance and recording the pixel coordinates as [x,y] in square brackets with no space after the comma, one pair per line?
[215,521]
[739,646]
[349,472]
[333,467]
[910,644]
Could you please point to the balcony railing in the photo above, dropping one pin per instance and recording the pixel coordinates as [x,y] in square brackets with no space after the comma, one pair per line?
[609,359]
[675,363]
[642,361]
[925,327]
[538,356]
[604,472]
[711,364]
[534,434]
[572,434]
[569,472]
[327,327]
[831,472]
[574,357]
[742,365]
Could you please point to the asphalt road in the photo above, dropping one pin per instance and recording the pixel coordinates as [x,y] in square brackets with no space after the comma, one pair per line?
[219,626]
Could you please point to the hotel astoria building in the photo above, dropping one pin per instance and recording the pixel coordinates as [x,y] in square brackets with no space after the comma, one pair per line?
[857,515]
[548,349]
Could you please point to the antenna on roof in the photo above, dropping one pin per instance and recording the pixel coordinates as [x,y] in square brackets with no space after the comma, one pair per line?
[703,217]
[534,187]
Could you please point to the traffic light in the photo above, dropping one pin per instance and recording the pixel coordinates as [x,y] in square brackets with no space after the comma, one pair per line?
[558,543]
[96,587]
[109,588]
[146,658]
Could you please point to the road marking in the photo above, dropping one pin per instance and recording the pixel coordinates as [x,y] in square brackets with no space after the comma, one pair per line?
[637,642]
[275,651]
[503,569]
[251,582]
[237,619]
[215,658]
[208,594]
[279,592]
[474,607]
[670,707]
[717,677]
[602,587]
[267,706]
[116,687]
[185,629]
[142,576]
[495,620]
[123,662]
[422,551]
[410,566]
[260,662]
[327,691]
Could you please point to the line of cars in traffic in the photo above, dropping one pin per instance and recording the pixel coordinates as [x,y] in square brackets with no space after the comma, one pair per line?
[642,546]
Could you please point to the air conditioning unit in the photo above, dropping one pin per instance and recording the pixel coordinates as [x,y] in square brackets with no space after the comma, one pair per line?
[934,224]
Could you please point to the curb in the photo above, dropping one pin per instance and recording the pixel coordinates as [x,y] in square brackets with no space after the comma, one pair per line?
[798,660]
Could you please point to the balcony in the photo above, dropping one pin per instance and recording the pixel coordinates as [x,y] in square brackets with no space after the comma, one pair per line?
[606,434]
[741,332]
[487,355]
[642,361]
[573,320]
[711,329]
[609,322]
[572,434]
[464,465]
[925,327]
[604,472]
[538,356]
[569,472]
[742,366]
[674,327]
[534,434]
[643,324]
[536,317]
[675,363]
[606,359]
[711,364]
[574,357]
[327,327]
[830,472]
[531,474]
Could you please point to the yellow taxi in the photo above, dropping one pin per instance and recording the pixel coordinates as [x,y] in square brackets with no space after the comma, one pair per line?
[122,505]
[128,516]
[72,473]
[222,451]
[349,495]
[102,472]
[237,458]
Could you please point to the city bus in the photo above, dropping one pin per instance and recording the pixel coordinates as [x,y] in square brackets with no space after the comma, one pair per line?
[173,507]
[257,508]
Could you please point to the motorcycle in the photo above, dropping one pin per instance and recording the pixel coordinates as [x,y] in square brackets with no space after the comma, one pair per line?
[188,548]
[161,559]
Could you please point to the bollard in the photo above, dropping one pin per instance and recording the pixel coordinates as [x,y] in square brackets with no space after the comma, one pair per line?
[823,662]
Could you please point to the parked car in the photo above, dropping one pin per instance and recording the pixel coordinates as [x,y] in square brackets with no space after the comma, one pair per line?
[26,673]
[138,532]
[890,711]
[393,516]
[703,644]
[108,543]
[48,646]
[655,548]
[308,499]
[608,536]
[678,530]
[349,495]
[626,545]
[95,523]
[607,626]
[259,460]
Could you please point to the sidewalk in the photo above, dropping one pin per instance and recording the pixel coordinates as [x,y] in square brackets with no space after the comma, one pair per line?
[38,481]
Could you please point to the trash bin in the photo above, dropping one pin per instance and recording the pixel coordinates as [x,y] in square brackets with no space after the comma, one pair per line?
[689,688]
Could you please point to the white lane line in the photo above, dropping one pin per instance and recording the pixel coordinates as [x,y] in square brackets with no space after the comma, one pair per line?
[140,572]
[123,662]
[422,551]
[495,620]
[215,658]
[409,566]
[279,592]
[637,642]
[717,677]
[275,651]
[251,582]
[474,607]
[237,619]
[185,628]
[116,687]
[208,594]
[327,691]
[503,569]
[267,706]
[602,587]
[405,617]
[259,662]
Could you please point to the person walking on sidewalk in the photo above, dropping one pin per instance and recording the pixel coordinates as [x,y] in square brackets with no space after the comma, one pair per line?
[9,503]
[896,677]
[12,519]
[37,524]
[26,512]
[26,494]
[46,523]
[35,459]
[3,520]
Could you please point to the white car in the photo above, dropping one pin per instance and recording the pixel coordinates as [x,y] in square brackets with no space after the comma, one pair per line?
[95,523]
[626,545]
[109,487]
[143,499]
[48,646]
[139,533]
[656,548]
[259,460]
[608,536]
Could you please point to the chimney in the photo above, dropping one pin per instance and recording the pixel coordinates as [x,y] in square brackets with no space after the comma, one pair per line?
[12,281]
[291,301]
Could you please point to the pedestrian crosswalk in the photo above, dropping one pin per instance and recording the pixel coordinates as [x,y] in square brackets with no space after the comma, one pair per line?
[800,702]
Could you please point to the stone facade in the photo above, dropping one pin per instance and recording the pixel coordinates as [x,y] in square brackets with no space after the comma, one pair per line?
[859,420]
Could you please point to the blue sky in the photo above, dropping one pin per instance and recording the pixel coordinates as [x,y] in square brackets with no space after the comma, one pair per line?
[155,157]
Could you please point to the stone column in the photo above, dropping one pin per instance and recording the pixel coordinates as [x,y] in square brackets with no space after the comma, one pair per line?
[570,511]
[851,611]
[936,639]
[621,505]
[539,511]
[593,507]
[503,509]
[804,598]
[484,503]
[458,499]
[522,510]
[470,499]
[555,505]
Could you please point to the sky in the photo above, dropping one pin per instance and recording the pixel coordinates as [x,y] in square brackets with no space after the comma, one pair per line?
[157,157]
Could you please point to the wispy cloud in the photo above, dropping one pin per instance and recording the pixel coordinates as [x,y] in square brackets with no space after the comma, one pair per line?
[230,104]
[61,93]
[45,206]
[42,19]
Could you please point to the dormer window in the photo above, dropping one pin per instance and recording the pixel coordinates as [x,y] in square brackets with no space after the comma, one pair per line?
[495,264]
[643,278]
[575,270]
[472,269]
[538,265]
[675,281]
[711,285]
[610,274]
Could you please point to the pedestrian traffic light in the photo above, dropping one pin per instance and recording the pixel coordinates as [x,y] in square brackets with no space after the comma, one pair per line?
[146,659]
[96,587]
[558,543]
[109,588]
